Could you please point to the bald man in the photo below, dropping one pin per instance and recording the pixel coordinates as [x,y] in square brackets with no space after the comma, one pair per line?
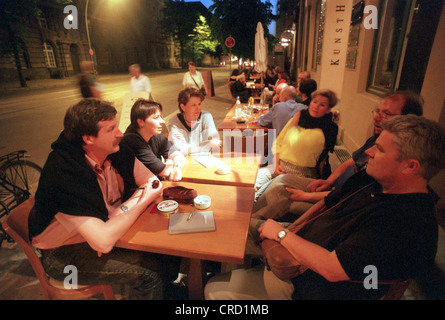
[283,111]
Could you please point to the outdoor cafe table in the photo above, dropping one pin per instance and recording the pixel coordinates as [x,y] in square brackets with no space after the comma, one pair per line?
[252,132]
[243,170]
[255,88]
[231,206]
[230,123]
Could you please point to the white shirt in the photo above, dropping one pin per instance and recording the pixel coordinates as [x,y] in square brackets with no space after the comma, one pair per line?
[188,80]
[141,84]
[193,141]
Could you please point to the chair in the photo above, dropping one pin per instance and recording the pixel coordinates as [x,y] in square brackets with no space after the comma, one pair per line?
[16,225]
[397,290]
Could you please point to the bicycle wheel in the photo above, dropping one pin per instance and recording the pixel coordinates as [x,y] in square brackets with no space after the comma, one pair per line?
[22,179]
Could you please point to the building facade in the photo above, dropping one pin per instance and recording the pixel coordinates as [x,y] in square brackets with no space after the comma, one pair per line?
[364,49]
[121,33]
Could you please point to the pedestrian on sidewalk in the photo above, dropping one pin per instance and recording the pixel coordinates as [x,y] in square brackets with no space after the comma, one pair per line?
[139,82]
[87,81]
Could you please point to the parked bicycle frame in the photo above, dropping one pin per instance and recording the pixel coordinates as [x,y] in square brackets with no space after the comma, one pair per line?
[19,180]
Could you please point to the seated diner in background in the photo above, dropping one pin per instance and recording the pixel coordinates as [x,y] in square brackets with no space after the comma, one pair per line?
[282,78]
[239,88]
[279,115]
[378,228]
[270,76]
[144,137]
[193,130]
[305,89]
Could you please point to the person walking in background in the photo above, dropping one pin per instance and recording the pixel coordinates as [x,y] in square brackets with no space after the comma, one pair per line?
[87,81]
[138,82]
[193,79]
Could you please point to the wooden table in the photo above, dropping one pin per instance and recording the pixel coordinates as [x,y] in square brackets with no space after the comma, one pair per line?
[254,86]
[248,133]
[243,170]
[229,122]
[231,208]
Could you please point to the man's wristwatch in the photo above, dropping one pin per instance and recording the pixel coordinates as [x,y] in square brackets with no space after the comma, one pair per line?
[124,208]
[282,234]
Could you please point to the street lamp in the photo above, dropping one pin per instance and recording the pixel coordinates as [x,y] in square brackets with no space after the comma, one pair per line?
[287,37]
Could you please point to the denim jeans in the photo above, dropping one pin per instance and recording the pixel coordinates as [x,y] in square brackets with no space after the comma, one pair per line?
[146,273]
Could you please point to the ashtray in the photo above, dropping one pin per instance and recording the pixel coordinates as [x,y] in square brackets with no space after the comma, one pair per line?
[202,202]
[168,207]
[223,169]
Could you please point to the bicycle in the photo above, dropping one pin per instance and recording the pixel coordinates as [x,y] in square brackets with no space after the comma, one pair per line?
[19,180]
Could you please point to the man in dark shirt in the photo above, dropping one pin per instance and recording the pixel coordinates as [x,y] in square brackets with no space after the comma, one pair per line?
[382,219]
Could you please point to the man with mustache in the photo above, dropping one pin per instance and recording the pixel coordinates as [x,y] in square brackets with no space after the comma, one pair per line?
[289,193]
[90,193]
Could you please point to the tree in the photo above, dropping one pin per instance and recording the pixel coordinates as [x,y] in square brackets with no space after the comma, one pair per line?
[13,26]
[239,19]
[202,41]
[179,22]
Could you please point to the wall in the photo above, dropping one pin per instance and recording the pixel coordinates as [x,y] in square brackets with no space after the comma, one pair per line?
[434,83]
[355,113]
[336,33]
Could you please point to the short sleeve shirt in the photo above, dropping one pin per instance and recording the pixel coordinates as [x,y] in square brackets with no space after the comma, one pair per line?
[395,233]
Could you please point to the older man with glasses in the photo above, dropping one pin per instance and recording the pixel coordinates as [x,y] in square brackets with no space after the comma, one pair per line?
[289,193]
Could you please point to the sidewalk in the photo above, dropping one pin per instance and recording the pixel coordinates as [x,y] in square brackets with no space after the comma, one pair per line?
[14,88]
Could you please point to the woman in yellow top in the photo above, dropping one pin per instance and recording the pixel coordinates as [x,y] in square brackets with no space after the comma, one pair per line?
[304,142]
[308,137]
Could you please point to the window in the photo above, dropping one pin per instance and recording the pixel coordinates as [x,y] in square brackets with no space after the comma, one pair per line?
[388,46]
[318,34]
[48,52]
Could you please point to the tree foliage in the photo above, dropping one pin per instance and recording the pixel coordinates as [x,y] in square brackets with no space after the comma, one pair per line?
[179,22]
[202,42]
[239,19]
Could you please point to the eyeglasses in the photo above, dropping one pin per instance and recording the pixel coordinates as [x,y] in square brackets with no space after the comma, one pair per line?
[383,114]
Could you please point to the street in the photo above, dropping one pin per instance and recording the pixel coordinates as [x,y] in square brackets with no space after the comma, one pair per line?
[32,120]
